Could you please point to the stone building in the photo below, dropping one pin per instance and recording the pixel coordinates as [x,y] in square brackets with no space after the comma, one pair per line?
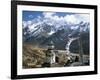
[50,55]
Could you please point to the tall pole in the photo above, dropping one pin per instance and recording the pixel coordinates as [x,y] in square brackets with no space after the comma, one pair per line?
[80,51]
[80,46]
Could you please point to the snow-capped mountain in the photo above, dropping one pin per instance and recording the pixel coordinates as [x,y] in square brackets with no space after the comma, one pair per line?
[43,31]
[47,27]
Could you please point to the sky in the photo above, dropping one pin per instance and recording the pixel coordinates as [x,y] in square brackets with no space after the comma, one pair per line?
[32,17]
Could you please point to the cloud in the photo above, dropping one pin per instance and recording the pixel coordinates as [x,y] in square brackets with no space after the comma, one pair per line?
[24,23]
[29,22]
[71,19]
[83,17]
[52,16]
[77,18]
[30,16]
[48,14]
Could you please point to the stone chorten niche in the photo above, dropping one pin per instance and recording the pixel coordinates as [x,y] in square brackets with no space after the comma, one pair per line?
[50,54]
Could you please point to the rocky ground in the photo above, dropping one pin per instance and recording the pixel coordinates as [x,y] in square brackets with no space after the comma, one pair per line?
[34,57]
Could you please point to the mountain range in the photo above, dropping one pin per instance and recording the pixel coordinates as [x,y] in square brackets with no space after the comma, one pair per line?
[41,32]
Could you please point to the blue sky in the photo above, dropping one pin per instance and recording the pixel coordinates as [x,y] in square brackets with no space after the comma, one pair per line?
[30,15]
